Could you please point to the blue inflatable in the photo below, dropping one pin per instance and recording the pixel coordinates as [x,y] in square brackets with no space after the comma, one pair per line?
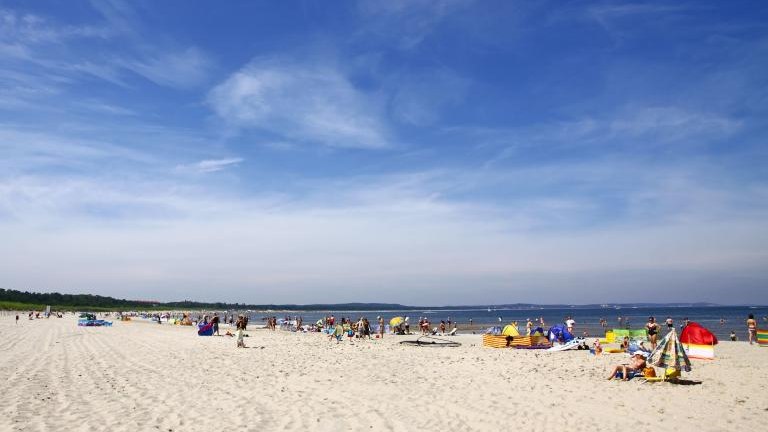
[205,329]
[559,333]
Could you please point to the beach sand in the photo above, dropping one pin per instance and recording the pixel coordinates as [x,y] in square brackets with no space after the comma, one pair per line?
[140,376]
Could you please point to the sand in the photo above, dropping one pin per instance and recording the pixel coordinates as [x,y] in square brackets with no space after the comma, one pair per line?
[140,376]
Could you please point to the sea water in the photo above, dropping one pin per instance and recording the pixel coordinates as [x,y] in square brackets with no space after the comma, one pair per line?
[587,319]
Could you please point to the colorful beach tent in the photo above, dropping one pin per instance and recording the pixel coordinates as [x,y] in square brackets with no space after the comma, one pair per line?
[698,342]
[669,353]
[510,330]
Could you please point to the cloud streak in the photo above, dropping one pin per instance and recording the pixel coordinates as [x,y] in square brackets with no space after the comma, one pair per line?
[210,165]
[314,104]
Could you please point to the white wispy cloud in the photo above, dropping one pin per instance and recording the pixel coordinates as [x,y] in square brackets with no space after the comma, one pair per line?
[420,99]
[32,45]
[390,233]
[209,165]
[414,19]
[304,102]
[180,68]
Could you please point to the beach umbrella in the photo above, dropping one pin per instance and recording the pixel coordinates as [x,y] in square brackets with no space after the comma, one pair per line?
[396,321]
[669,353]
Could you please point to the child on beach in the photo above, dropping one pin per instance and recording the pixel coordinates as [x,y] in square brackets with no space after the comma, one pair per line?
[597,347]
[240,331]
[625,344]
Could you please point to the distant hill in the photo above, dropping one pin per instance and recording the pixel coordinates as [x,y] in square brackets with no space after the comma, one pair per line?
[12,299]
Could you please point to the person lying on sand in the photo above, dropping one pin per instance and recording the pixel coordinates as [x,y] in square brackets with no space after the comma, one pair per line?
[637,364]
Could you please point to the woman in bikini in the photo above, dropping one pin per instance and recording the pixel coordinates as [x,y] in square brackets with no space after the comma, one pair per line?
[653,331]
[751,328]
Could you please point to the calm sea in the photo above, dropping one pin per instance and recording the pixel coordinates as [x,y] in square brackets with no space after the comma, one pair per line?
[586,319]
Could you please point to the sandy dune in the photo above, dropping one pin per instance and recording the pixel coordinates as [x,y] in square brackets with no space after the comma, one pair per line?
[140,376]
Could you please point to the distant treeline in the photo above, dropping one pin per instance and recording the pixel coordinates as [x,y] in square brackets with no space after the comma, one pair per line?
[12,299]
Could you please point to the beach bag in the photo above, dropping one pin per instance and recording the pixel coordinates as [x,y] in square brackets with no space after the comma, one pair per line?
[649,372]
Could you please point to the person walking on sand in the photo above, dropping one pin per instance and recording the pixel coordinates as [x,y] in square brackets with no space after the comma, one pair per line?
[338,333]
[17,319]
[751,328]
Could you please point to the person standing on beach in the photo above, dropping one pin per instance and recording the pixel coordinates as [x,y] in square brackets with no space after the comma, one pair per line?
[653,330]
[528,327]
[215,322]
[240,331]
[570,323]
[381,326]
[670,323]
[751,328]
[17,319]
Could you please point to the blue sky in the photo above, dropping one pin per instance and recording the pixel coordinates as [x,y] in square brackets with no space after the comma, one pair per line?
[421,152]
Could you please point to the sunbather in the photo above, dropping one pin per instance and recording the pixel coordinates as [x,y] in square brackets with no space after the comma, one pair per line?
[637,365]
